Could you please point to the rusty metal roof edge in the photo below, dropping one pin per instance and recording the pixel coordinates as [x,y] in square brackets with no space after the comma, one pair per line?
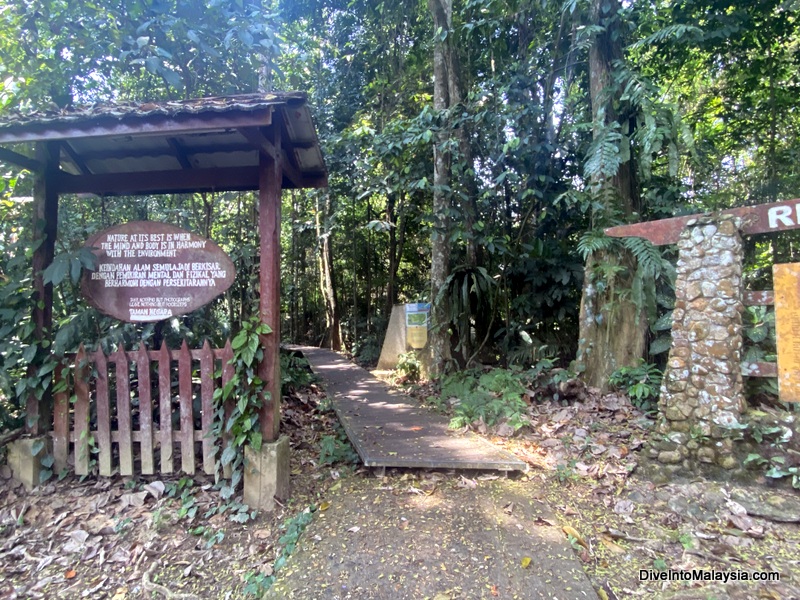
[145,110]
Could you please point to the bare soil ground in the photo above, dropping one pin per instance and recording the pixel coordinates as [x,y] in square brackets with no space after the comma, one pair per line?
[120,539]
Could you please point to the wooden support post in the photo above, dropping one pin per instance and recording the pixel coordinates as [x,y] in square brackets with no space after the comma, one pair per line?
[45,229]
[269,228]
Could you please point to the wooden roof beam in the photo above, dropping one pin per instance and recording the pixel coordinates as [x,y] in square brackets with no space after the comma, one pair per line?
[160,182]
[20,160]
[157,152]
[256,137]
[180,153]
[76,158]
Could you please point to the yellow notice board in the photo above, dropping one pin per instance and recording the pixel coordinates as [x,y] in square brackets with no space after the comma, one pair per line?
[417,337]
[417,324]
[787,326]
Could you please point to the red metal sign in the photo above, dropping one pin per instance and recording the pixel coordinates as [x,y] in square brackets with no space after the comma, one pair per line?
[151,271]
[761,218]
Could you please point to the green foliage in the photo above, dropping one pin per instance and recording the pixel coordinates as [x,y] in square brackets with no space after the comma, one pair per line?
[759,334]
[62,52]
[759,346]
[705,114]
[409,366]
[257,584]
[775,467]
[605,154]
[490,397]
[686,540]
[247,390]
[295,372]
[334,449]
[777,462]
[641,382]
[565,472]
[367,350]
[210,535]
[26,363]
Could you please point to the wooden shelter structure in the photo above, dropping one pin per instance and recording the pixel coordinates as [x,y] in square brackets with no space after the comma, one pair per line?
[263,142]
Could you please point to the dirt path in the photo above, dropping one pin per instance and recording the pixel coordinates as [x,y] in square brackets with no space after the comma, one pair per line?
[436,537]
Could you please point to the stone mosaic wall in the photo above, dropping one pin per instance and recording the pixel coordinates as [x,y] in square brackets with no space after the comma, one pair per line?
[702,393]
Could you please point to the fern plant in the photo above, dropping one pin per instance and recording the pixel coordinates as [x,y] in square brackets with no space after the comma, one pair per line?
[491,398]
[641,382]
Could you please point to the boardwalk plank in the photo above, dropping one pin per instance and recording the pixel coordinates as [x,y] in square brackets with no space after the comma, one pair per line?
[389,429]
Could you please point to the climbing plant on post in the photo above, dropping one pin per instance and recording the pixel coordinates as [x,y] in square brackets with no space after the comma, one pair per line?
[442,13]
[612,326]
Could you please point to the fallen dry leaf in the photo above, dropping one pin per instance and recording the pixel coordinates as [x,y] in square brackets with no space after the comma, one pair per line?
[134,499]
[465,482]
[572,532]
[624,507]
[120,594]
[156,489]
[70,574]
[612,545]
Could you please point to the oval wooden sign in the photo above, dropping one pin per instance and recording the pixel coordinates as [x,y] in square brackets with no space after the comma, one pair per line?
[150,271]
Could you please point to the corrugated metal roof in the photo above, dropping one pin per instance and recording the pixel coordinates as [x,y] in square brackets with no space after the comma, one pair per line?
[194,139]
[170,108]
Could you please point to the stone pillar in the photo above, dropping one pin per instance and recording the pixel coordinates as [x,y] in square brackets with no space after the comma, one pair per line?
[702,394]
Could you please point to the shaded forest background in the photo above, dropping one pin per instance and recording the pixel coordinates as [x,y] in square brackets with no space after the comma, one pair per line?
[476,149]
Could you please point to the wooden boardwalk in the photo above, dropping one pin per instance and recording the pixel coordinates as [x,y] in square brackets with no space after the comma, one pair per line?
[388,429]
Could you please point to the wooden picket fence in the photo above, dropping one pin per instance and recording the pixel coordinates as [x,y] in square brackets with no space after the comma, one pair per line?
[126,405]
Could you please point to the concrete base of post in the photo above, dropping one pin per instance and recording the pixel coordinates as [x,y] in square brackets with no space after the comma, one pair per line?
[25,463]
[266,474]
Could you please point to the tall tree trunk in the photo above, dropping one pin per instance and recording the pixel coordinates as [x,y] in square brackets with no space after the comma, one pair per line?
[327,286]
[442,12]
[449,94]
[612,328]
[390,217]
[397,237]
[368,260]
